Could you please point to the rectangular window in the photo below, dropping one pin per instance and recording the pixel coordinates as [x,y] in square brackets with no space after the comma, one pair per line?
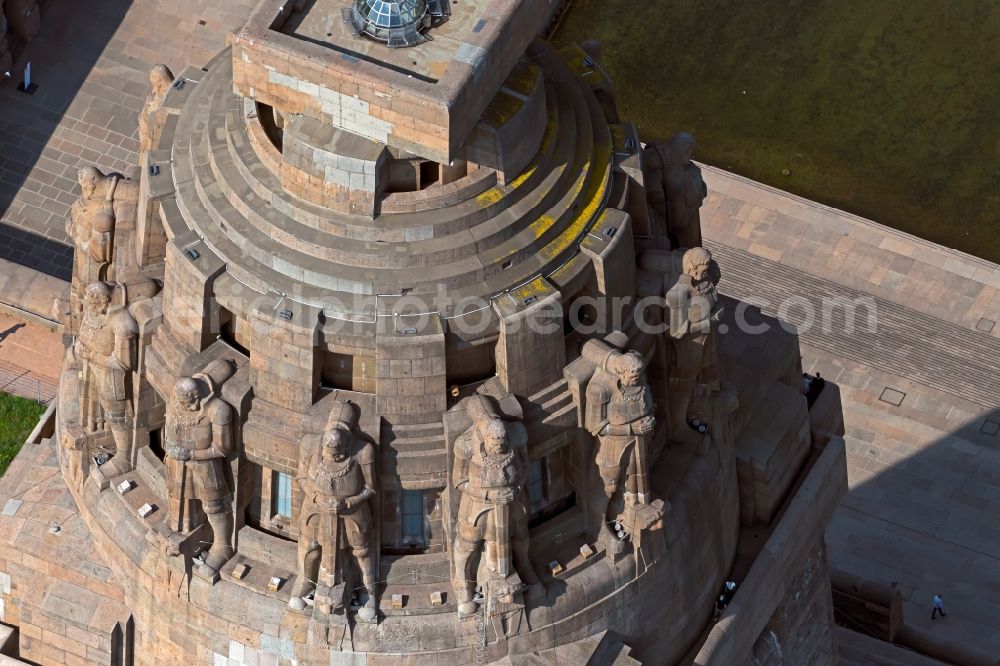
[282,492]
[412,514]
[536,484]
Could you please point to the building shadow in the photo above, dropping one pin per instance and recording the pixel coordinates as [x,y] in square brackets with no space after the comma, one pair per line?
[10,331]
[37,174]
[920,518]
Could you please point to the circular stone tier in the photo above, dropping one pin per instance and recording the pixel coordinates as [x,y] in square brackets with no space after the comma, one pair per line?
[478,246]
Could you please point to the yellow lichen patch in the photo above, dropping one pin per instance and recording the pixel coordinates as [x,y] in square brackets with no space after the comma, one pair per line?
[540,226]
[594,200]
[489,197]
[538,288]
[574,58]
[525,175]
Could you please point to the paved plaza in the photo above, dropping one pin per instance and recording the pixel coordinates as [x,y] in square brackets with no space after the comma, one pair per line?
[91,62]
[921,392]
[30,357]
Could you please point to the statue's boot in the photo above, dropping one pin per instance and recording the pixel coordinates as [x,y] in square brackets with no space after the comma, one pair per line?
[303,586]
[605,537]
[467,604]
[535,589]
[121,431]
[299,591]
[369,611]
[222,549]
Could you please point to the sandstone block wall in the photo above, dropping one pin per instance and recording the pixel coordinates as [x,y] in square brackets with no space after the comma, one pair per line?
[513,125]
[531,351]
[332,168]
[427,117]
[801,630]
[410,371]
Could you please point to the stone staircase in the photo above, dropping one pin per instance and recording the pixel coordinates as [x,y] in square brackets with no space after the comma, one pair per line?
[480,246]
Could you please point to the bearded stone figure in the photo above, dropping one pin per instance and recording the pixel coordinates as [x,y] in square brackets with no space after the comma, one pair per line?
[694,309]
[105,351]
[198,438]
[620,417]
[105,192]
[337,478]
[491,473]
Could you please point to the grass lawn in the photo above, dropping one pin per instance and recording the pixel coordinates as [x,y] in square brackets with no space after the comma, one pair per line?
[18,418]
[887,109]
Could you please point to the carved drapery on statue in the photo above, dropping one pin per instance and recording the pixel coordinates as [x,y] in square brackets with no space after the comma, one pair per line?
[491,473]
[105,353]
[619,415]
[336,521]
[693,309]
[198,440]
[675,189]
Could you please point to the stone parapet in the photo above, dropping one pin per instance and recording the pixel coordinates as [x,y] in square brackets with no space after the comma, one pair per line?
[424,104]
[795,544]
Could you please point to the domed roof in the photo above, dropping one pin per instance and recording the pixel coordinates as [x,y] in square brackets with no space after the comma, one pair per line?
[397,22]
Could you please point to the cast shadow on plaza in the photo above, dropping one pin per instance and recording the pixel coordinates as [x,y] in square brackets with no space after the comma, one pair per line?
[72,38]
[922,524]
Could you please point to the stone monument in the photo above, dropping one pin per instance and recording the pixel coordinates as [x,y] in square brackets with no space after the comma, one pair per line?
[334,330]
[620,417]
[198,437]
[491,472]
[675,189]
[105,351]
[151,118]
[337,477]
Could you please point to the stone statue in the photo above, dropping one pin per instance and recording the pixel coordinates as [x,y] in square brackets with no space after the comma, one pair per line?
[198,438]
[91,225]
[106,352]
[675,189]
[491,473]
[693,305]
[619,414]
[112,193]
[93,241]
[337,478]
[150,126]
[23,18]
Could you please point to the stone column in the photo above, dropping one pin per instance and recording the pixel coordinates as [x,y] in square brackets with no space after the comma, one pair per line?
[531,350]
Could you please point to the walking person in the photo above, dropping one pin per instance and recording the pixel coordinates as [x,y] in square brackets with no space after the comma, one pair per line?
[938,604]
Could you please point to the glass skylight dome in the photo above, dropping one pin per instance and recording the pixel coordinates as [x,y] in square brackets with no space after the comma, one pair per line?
[397,22]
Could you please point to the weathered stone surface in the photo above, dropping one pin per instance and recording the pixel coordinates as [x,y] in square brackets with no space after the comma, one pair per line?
[365,405]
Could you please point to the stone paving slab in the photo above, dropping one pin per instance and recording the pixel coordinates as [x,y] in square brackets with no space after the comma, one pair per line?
[91,62]
[30,358]
[921,397]
[924,494]
[852,251]
[870,329]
